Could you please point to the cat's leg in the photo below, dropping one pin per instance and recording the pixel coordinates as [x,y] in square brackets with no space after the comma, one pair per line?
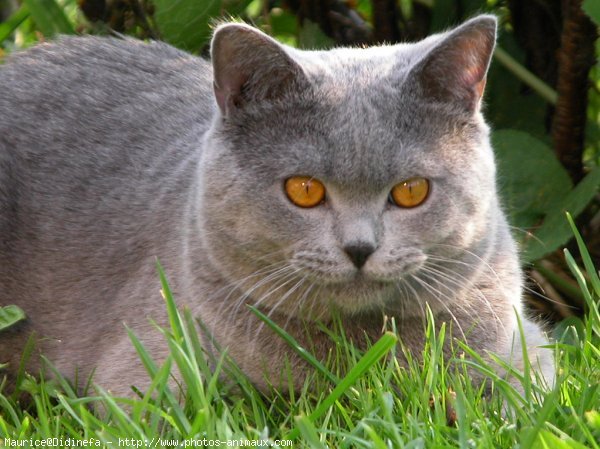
[536,353]
[120,370]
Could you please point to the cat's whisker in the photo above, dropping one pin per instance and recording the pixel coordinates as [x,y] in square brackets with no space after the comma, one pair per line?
[437,258]
[436,272]
[275,306]
[283,274]
[472,254]
[281,301]
[527,233]
[309,303]
[233,287]
[546,298]
[450,296]
[415,298]
[405,298]
[301,300]
[234,306]
[435,295]
[236,284]
[284,281]
[228,308]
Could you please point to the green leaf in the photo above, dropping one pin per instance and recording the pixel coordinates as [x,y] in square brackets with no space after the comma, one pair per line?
[49,17]
[235,7]
[13,22]
[311,36]
[186,23]
[592,9]
[525,164]
[507,104]
[555,231]
[9,316]
[525,167]
[283,24]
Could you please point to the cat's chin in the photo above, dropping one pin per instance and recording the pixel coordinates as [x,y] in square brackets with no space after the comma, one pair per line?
[358,294]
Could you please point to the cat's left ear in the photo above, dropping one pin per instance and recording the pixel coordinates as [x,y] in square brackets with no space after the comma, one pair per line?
[455,69]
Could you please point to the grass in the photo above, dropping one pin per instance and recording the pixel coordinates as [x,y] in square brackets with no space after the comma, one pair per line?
[377,404]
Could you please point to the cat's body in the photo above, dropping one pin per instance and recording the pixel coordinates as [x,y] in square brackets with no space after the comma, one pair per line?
[115,153]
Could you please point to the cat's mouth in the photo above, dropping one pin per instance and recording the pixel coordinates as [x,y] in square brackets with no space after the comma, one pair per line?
[361,292]
[311,284]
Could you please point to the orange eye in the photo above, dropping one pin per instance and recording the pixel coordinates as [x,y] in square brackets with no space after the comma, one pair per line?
[410,193]
[305,191]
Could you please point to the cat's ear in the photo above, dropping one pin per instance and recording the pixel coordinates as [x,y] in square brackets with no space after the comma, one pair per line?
[249,66]
[455,69]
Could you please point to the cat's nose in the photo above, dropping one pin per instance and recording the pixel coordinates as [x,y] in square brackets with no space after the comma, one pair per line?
[359,253]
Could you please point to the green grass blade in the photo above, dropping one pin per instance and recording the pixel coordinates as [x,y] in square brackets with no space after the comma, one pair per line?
[376,352]
[291,341]
[12,23]
[174,319]
[585,256]
[547,440]
[308,432]
[49,17]
[377,442]
[579,277]
[153,371]
[70,410]
[145,358]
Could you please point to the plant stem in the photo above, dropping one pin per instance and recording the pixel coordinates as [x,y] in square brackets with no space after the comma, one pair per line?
[517,69]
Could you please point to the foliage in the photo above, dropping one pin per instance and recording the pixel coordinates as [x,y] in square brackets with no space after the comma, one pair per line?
[9,316]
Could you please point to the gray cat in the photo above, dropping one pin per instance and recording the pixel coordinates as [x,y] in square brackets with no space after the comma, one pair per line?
[357,182]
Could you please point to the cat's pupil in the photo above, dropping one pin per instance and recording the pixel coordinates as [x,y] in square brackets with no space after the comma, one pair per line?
[410,193]
[304,191]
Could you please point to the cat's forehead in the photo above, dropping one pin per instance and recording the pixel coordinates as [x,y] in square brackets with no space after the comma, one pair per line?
[362,65]
[354,68]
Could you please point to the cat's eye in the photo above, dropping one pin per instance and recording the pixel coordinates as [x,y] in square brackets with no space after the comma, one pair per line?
[410,193]
[305,191]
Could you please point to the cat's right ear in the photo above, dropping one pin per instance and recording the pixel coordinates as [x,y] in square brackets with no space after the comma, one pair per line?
[249,66]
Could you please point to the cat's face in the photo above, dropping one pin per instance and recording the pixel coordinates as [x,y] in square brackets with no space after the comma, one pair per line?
[351,189]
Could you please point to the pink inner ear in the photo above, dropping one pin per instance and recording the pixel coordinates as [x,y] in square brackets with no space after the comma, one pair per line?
[228,88]
[472,75]
[221,97]
[474,71]
[480,87]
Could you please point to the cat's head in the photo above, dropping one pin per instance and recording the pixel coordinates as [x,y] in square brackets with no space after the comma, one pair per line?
[352,178]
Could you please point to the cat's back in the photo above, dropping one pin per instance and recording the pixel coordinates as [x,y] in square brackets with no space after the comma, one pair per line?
[97,83]
[91,111]
[96,136]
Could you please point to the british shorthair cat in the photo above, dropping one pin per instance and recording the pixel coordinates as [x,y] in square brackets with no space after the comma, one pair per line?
[357,182]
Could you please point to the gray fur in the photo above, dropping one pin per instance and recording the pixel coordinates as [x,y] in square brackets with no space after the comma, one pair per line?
[114,153]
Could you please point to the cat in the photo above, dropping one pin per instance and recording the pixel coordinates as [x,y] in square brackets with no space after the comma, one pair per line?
[353,182]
